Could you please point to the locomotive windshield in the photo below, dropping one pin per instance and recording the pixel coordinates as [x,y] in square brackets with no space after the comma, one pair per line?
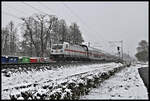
[57,47]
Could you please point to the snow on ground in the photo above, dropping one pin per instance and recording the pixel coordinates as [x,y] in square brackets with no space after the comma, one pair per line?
[40,77]
[126,84]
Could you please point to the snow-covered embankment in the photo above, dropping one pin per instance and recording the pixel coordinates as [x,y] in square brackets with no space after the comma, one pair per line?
[126,84]
[62,83]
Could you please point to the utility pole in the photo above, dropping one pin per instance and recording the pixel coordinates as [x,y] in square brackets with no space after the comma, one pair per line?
[118,48]
[122,48]
[88,44]
[121,45]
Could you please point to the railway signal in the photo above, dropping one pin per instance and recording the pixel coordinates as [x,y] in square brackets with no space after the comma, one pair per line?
[119,47]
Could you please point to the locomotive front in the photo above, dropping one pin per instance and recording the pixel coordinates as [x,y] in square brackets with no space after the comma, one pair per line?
[57,51]
[68,52]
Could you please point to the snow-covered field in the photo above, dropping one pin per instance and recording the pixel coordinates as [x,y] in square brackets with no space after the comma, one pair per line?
[23,81]
[126,84]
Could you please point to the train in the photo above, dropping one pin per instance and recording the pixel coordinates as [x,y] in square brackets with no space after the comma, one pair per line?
[65,52]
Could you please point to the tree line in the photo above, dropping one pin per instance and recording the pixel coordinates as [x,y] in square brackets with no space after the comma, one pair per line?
[142,51]
[38,32]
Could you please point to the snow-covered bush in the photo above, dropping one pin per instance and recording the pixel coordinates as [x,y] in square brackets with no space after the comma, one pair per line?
[69,89]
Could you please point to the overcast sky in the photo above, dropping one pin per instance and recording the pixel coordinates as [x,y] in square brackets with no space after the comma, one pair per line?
[99,22]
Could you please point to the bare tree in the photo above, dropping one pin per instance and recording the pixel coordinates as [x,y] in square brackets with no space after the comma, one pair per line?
[75,34]
[4,41]
[142,51]
[9,39]
[51,24]
[28,28]
[38,30]
[12,35]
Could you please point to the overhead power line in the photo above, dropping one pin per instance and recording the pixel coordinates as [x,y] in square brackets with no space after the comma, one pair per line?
[74,13]
[11,15]
[34,8]
[45,6]
[15,9]
[89,27]
[48,9]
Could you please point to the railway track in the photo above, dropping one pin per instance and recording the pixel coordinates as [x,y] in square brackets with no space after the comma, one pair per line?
[51,64]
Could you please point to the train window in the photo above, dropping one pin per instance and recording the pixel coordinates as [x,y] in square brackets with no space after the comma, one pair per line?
[57,47]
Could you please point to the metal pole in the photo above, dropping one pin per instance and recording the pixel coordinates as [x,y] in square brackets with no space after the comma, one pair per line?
[88,44]
[122,48]
[119,55]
